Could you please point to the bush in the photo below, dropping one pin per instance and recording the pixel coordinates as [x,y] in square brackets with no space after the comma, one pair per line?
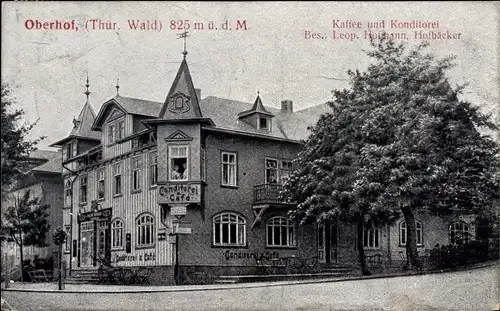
[452,255]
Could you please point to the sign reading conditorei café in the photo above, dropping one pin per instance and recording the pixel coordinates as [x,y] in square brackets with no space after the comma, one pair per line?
[179,193]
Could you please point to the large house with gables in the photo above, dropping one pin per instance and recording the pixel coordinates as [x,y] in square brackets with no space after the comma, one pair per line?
[193,183]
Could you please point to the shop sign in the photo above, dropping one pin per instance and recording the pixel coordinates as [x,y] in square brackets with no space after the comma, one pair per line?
[178,210]
[94,215]
[136,257]
[183,230]
[235,255]
[162,236]
[179,193]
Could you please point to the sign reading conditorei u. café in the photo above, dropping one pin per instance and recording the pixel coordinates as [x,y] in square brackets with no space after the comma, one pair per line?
[179,193]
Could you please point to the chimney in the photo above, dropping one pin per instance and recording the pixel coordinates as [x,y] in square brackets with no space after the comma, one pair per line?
[287,106]
[198,93]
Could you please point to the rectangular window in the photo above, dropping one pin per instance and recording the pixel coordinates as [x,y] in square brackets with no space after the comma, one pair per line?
[117,179]
[153,168]
[100,184]
[111,133]
[67,193]
[285,170]
[74,148]
[229,168]
[264,123]
[271,171]
[117,234]
[203,165]
[136,174]
[67,152]
[371,238]
[67,241]
[83,189]
[179,166]
[121,129]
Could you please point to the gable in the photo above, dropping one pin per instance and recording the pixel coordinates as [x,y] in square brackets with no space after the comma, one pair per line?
[114,114]
[178,136]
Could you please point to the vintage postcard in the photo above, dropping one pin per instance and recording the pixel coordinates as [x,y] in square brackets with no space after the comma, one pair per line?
[250,156]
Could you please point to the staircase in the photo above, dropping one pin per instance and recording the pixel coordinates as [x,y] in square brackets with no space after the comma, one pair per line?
[325,272]
[83,277]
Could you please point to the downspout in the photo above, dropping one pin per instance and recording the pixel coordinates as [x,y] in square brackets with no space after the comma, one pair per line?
[75,174]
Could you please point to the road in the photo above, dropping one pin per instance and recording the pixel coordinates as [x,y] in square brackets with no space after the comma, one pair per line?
[466,290]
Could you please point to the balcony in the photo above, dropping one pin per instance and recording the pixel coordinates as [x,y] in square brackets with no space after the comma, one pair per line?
[267,194]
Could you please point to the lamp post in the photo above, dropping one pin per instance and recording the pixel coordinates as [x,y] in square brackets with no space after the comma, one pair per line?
[59,238]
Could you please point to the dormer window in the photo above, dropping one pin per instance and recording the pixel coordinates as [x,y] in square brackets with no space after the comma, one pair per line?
[264,123]
[121,129]
[111,133]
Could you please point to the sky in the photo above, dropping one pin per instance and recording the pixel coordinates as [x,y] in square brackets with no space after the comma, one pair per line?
[47,68]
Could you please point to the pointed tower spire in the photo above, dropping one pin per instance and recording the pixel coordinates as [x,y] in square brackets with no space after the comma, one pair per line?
[87,92]
[117,86]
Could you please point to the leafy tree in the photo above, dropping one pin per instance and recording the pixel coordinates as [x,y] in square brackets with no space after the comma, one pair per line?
[326,177]
[411,146]
[421,142]
[15,144]
[25,223]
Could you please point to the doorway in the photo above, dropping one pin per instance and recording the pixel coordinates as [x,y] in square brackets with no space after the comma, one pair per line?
[328,241]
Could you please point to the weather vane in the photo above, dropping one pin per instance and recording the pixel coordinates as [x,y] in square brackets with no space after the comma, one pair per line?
[183,35]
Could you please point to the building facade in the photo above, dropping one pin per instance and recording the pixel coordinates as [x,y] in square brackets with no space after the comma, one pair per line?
[194,183]
[42,179]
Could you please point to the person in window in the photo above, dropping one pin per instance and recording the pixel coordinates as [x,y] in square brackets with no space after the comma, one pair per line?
[175,173]
[182,171]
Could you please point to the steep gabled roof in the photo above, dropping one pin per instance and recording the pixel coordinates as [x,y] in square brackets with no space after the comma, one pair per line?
[82,126]
[128,105]
[182,101]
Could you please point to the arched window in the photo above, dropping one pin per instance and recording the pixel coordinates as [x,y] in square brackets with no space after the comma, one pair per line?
[145,230]
[117,233]
[403,233]
[229,229]
[459,233]
[280,232]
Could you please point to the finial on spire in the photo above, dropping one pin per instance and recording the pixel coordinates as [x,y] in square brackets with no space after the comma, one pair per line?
[183,35]
[87,92]
[258,92]
[117,86]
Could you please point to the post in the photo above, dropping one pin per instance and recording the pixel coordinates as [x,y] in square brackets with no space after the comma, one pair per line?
[61,283]
[7,270]
[176,266]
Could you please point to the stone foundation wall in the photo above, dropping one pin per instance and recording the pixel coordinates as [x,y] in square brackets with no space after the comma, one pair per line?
[208,274]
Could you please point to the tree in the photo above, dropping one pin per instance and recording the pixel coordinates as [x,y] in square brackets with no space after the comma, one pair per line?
[421,142]
[25,223]
[325,180]
[398,141]
[15,144]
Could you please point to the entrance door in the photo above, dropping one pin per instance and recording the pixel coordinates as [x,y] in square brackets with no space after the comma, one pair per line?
[87,243]
[333,243]
[328,242]
[321,242]
[103,238]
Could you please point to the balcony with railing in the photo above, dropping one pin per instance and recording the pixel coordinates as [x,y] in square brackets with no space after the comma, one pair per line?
[267,194]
